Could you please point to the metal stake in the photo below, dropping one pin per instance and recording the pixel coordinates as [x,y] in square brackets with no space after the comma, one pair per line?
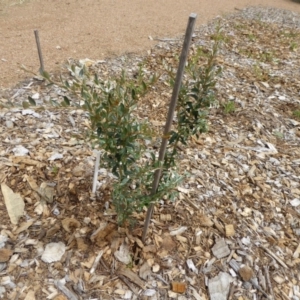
[165,138]
[37,39]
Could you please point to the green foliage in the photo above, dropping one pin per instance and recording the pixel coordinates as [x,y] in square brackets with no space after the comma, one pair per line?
[54,170]
[266,56]
[262,56]
[240,26]
[229,107]
[296,113]
[260,73]
[112,107]
[196,96]
[219,36]
[293,46]
[134,191]
[31,101]
[251,37]
[291,33]
[115,127]
[279,134]
[25,104]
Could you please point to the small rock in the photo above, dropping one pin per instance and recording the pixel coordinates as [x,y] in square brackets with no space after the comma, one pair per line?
[220,249]
[87,220]
[9,124]
[35,96]
[123,254]
[20,151]
[145,271]
[149,292]
[2,291]
[55,156]
[219,286]
[156,268]
[53,252]
[3,240]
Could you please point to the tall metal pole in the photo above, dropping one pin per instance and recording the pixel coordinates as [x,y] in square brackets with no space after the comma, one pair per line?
[176,89]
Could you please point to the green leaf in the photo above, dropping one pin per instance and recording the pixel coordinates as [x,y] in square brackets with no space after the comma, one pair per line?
[66,101]
[133,94]
[96,79]
[54,103]
[67,84]
[81,72]
[25,104]
[31,101]
[145,87]
[174,137]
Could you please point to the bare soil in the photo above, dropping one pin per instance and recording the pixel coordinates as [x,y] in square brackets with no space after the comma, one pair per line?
[96,29]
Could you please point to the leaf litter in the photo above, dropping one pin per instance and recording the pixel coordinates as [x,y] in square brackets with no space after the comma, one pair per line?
[234,230]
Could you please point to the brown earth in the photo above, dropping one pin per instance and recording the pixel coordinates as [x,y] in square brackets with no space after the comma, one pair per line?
[96,29]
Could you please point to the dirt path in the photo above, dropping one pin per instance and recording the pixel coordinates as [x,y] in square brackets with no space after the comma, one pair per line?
[97,29]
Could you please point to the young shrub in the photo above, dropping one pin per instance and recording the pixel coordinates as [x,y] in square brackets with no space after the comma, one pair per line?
[123,137]
[197,95]
[111,106]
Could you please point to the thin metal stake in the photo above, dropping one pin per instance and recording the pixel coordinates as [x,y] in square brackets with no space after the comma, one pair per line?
[37,39]
[165,138]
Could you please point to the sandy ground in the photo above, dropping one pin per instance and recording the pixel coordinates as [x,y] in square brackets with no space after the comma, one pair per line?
[97,29]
